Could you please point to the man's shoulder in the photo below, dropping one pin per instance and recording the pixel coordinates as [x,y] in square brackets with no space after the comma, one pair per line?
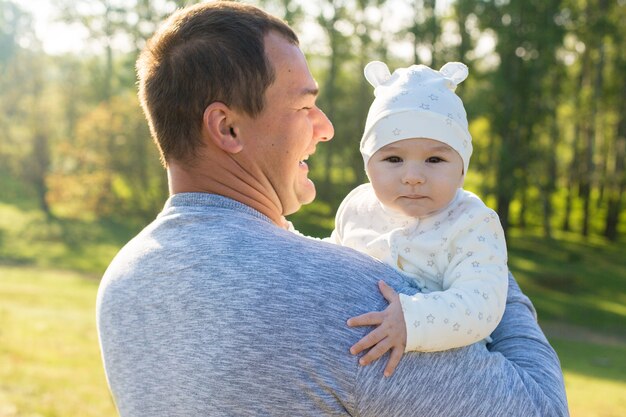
[231,240]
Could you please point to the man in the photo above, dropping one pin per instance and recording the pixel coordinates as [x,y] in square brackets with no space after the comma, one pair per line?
[216,309]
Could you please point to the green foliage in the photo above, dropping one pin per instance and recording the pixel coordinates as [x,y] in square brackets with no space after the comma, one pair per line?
[545,103]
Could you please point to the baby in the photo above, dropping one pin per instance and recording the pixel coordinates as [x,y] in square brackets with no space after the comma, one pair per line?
[415,216]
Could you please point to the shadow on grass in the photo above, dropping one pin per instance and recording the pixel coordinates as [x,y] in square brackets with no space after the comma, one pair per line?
[573,280]
[597,361]
[82,245]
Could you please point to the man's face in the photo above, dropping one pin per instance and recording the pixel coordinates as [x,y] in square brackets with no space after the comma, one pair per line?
[283,136]
[416,177]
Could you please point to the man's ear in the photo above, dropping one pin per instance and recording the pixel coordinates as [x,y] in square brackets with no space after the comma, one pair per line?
[218,121]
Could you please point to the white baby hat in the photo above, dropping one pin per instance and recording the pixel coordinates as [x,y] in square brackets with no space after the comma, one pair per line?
[416,102]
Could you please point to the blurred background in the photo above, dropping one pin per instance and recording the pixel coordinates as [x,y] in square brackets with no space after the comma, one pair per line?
[79,175]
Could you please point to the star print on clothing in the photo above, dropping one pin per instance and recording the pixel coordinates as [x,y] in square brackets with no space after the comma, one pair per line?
[431,319]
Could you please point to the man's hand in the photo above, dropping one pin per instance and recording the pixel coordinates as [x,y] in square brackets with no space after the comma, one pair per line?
[389,334]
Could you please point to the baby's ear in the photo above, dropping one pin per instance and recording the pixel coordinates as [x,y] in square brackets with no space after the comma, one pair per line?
[462,180]
[377,73]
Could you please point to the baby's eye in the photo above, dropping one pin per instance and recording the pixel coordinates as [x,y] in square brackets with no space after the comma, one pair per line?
[393,159]
[435,160]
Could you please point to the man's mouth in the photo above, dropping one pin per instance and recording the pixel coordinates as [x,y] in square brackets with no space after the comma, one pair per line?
[302,161]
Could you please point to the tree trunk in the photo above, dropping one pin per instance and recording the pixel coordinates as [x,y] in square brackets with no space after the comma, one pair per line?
[550,181]
[618,179]
[329,95]
[574,171]
[39,170]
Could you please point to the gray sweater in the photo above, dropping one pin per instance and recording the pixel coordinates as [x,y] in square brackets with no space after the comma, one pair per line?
[214,311]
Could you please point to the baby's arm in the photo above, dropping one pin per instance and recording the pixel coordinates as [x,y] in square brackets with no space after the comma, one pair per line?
[474,296]
[468,310]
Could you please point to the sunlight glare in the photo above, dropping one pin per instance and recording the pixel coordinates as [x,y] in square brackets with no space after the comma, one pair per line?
[56,37]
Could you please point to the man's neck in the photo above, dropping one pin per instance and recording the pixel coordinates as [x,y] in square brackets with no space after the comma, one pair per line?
[226,178]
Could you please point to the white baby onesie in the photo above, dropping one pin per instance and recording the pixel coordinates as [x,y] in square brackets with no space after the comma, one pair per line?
[457,257]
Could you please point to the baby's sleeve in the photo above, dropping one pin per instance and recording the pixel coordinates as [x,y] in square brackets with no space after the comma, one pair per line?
[474,290]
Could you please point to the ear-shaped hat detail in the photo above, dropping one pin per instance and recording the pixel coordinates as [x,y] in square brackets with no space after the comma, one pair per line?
[457,72]
[377,73]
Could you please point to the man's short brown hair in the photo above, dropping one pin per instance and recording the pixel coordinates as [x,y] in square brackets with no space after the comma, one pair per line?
[202,54]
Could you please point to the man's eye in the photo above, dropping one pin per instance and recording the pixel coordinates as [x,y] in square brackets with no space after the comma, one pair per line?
[434,160]
[393,159]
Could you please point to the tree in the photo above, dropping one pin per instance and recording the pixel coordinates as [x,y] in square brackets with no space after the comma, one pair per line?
[517,93]
[25,150]
[425,30]
[616,177]
[333,14]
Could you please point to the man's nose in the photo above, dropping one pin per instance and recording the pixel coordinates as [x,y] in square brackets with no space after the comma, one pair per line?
[324,130]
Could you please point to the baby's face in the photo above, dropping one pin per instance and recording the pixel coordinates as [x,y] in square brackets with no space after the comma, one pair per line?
[416,177]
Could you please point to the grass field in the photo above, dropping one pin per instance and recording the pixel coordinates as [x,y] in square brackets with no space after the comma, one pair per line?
[50,364]
[49,358]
